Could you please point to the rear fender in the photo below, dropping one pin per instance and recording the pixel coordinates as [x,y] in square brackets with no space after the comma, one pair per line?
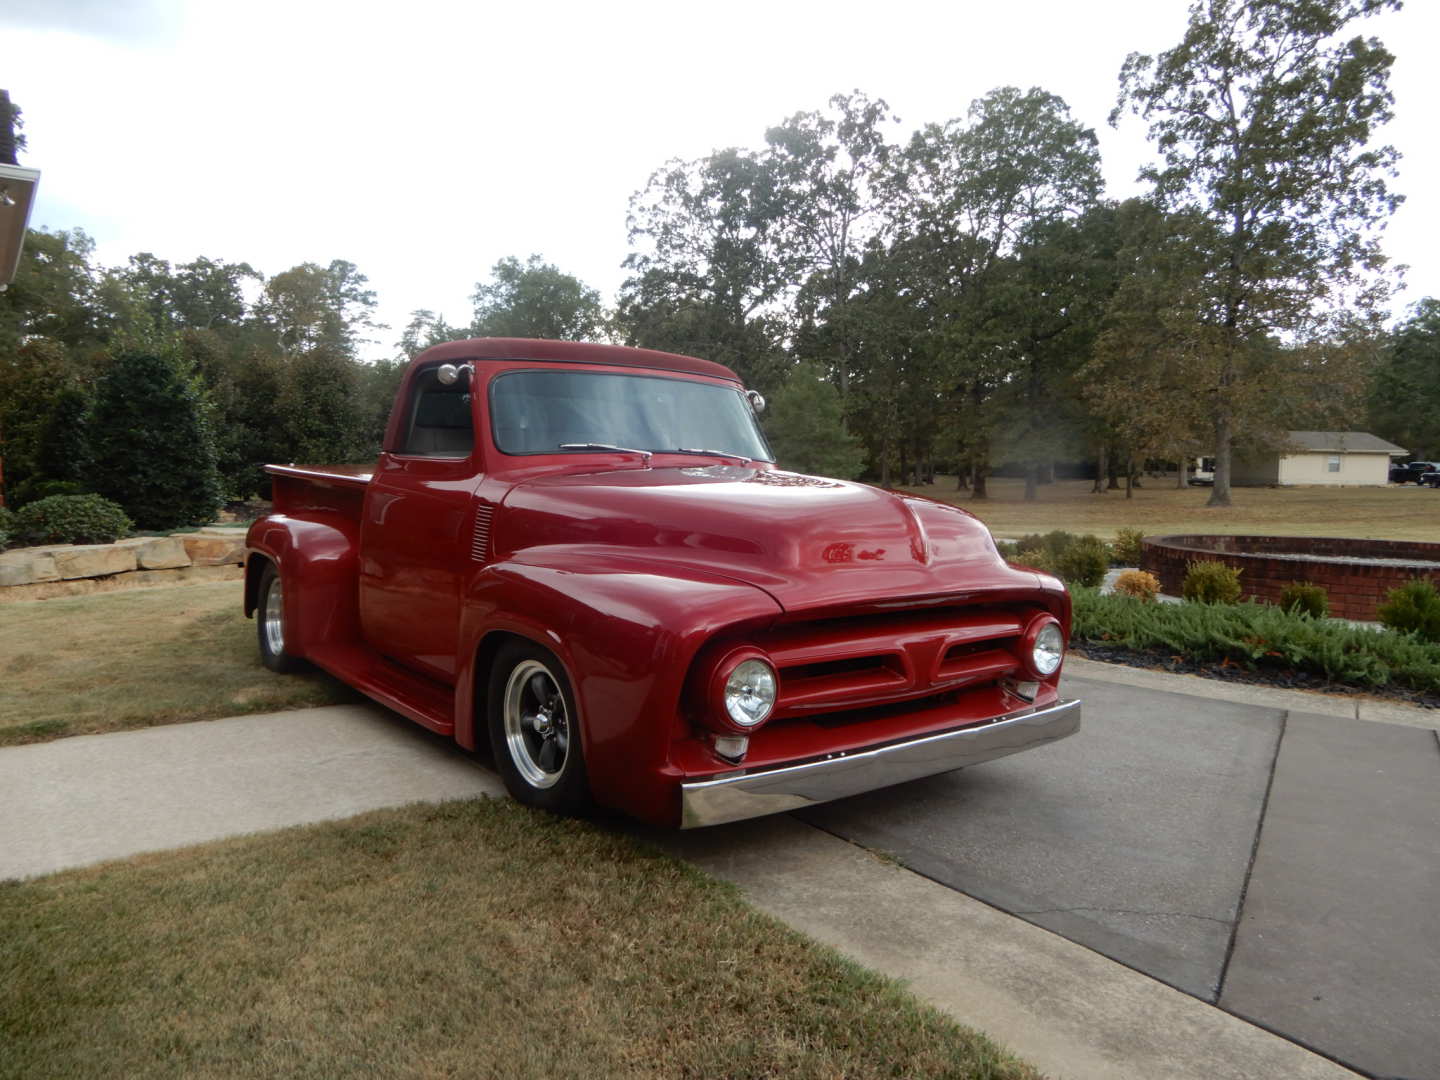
[626,640]
[318,560]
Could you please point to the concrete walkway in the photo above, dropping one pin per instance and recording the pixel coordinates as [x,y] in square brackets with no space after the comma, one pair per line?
[1329,904]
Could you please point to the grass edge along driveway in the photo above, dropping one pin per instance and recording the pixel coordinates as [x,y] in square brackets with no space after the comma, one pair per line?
[471,938]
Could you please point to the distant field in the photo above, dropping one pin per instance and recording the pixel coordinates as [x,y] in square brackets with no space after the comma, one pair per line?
[1383,513]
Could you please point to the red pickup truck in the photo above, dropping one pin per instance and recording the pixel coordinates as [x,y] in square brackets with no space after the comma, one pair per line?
[584,557]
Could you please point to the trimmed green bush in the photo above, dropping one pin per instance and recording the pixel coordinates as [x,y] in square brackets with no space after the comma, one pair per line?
[1076,560]
[1084,562]
[71,519]
[4,539]
[1036,559]
[1259,636]
[1125,548]
[1210,582]
[1304,598]
[1413,608]
[7,526]
[153,449]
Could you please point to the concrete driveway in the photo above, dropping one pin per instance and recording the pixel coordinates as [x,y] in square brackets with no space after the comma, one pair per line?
[1274,864]
[1283,865]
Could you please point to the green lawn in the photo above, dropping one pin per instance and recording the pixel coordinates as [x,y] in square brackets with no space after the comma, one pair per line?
[84,664]
[471,939]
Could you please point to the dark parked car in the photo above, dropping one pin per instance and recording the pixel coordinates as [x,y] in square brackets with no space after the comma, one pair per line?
[1431,478]
[1411,472]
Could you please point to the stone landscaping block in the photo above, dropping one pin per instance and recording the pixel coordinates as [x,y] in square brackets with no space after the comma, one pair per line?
[207,549]
[94,560]
[27,568]
[165,553]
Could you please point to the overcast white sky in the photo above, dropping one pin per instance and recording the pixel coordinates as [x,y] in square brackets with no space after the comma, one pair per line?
[425,140]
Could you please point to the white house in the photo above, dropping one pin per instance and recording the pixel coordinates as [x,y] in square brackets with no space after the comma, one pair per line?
[1320,457]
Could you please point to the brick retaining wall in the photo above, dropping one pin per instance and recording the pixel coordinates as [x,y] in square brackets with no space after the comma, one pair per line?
[1356,590]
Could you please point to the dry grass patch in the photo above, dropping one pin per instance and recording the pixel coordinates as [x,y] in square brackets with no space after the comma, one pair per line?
[86,664]
[1382,513]
[468,939]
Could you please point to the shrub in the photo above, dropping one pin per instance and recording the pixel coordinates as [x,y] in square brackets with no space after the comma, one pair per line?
[1304,598]
[1036,559]
[71,519]
[1210,582]
[1138,583]
[7,526]
[1054,543]
[1413,608]
[1084,562]
[4,539]
[153,449]
[1259,636]
[1126,547]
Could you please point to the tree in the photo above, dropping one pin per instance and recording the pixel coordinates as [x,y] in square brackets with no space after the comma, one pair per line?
[709,275]
[805,426]
[534,299]
[832,180]
[1263,116]
[1405,400]
[424,330]
[974,189]
[153,449]
[309,306]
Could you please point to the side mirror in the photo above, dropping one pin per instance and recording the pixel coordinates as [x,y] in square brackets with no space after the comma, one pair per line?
[450,374]
[757,400]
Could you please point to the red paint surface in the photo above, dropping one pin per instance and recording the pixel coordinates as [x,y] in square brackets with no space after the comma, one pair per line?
[888,616]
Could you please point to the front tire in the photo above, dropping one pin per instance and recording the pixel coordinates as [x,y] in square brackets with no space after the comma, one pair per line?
[270,625]
[535,730]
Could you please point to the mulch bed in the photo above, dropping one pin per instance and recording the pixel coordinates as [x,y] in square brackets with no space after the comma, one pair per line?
[1228,671]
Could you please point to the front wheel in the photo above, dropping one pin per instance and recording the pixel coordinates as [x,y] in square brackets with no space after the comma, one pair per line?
[534,730]
[270,625]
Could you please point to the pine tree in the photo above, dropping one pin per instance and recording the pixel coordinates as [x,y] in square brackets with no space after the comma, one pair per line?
[154,452]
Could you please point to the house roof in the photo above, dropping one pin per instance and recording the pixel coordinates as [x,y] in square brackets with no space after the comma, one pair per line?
[1347,442]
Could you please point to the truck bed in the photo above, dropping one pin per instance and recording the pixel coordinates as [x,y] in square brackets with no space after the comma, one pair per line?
[298,489]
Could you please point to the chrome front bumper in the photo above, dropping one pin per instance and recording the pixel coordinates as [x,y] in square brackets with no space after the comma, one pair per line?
[790,787]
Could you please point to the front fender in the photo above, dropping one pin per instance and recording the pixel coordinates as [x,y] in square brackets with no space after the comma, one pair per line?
[627,638]
[318,560]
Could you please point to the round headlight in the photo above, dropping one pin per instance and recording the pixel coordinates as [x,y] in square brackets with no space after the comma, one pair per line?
[1048,650]
[750,692]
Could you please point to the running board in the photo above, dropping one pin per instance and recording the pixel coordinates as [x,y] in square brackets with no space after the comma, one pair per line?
[429,703]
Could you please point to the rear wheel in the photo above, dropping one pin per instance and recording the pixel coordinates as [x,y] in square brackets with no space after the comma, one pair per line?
[270,624]
[534,730]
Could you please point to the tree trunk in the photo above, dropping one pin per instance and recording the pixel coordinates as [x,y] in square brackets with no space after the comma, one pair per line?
[962,478]
[1032,478]
[1220,493]
[1129,477]
[1047,472]
[884,470]
[978,482]
[1112,466]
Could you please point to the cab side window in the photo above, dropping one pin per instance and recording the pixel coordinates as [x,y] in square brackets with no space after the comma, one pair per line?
[438,419]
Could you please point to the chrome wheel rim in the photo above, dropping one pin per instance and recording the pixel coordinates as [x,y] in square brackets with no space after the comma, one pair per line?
[274,618]
[537,724]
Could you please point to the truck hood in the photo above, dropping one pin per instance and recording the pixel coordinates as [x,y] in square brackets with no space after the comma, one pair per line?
[807,541]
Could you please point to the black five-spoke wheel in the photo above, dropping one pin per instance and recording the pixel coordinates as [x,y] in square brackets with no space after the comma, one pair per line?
[533,730]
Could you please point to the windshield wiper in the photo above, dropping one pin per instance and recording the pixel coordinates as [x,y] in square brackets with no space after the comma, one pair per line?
[712,453]
[645,455]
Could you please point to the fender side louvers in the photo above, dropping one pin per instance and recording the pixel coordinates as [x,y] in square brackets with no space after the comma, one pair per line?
[480,539]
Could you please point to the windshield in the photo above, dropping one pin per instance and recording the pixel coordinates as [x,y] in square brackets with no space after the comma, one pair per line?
[538,412]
